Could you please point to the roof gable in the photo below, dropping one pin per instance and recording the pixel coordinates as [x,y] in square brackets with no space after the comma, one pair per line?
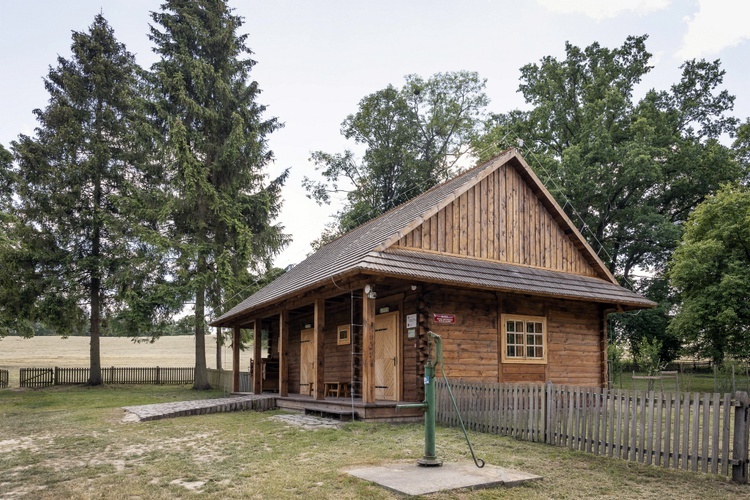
[505,216]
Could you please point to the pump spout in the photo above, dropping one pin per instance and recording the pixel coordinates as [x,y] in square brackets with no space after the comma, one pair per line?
[422,405]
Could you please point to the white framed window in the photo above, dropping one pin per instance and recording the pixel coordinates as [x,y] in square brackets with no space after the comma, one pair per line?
[523,339]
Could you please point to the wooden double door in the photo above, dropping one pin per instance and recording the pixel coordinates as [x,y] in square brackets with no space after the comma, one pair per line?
[387,359]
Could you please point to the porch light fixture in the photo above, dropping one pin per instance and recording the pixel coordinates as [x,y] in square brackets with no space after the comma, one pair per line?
[370,292]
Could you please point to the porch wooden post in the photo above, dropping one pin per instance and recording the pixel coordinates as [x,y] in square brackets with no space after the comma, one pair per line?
[257,367]
[283,353]
[218,348]
[319,348]
[236,360]
[368,349]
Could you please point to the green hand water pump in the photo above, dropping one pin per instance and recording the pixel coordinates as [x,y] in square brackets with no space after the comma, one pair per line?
[430,457]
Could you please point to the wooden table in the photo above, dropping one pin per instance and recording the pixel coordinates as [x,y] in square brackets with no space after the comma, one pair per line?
[338,389]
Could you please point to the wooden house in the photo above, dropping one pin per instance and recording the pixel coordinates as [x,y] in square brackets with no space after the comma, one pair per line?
[487,260]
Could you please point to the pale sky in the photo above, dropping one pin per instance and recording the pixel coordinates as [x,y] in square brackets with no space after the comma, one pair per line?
[317,59]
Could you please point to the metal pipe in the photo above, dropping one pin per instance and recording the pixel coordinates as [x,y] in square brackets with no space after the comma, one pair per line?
[430,456]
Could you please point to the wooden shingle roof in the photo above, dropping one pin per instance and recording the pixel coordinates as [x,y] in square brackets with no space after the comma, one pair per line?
[373,248]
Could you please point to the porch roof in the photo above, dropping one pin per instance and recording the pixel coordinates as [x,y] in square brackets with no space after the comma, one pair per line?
[449,269]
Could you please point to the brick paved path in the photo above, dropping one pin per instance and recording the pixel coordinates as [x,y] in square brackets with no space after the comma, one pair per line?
[199,407]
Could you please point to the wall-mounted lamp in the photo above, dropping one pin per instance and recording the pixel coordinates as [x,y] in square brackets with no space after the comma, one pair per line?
[413,288]
[370,292]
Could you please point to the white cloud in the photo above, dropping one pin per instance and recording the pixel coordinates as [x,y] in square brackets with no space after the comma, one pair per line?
[717,25]
[604,9]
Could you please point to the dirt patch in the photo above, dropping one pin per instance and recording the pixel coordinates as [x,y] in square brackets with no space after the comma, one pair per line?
[26,443]
[308,422]
[189,485]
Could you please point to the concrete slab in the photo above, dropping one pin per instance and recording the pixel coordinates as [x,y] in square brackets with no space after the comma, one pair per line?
[413,479]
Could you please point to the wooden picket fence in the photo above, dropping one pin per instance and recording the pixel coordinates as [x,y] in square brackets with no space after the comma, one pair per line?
[43,377]
[222,379]
[691,431]
[36,377]
[4,376]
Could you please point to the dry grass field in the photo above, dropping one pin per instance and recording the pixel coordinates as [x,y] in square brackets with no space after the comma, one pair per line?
[17,352]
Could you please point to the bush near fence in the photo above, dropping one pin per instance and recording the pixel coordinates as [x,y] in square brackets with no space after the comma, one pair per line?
[4,376]
[691,431]
[44,377]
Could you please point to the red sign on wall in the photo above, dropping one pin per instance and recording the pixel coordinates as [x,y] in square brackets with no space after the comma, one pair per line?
[444,318]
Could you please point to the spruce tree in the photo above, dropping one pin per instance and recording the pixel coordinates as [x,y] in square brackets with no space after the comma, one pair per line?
[91,245]
[215,153]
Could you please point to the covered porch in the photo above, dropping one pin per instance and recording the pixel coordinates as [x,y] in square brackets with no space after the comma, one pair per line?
[355,346]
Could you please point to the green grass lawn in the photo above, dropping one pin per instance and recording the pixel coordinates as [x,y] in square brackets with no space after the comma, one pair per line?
[71,442]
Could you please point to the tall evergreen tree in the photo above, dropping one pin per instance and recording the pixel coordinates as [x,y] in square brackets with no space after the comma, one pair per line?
[216,150]
[83,197]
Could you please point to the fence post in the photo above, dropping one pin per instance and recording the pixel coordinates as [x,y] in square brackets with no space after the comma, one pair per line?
[548,417]
[56,380]
[741,437]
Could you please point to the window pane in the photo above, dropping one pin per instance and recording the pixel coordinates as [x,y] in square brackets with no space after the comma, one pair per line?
[510,326]
[510,337]
[519,338]
[539,352]
[519,326]
[530,339]
[512,351]
[530,352]
[538,328]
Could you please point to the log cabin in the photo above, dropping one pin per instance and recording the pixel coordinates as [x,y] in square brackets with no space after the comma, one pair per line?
[487,260]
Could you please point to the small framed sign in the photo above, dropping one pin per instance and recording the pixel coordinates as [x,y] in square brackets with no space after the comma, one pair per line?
[343,335]
[446,319]
[411,321]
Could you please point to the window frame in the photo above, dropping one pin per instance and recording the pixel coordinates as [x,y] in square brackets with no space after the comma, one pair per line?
[504,358]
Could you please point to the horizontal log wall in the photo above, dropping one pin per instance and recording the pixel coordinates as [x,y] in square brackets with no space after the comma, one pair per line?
[471,345]
[500,219]
[690,431]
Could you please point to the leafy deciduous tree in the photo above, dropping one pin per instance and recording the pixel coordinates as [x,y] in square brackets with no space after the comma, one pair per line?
[215,153]
[632,170]
[711,271]
[413,138]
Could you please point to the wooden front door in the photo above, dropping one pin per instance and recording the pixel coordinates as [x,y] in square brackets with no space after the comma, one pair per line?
[387,377]
[307,363]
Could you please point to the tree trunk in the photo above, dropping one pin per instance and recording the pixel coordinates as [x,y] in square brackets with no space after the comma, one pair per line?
[218,348]
[95,365]
[201,373]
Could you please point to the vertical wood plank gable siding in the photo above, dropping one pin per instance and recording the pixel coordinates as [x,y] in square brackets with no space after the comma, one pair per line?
[499,219]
